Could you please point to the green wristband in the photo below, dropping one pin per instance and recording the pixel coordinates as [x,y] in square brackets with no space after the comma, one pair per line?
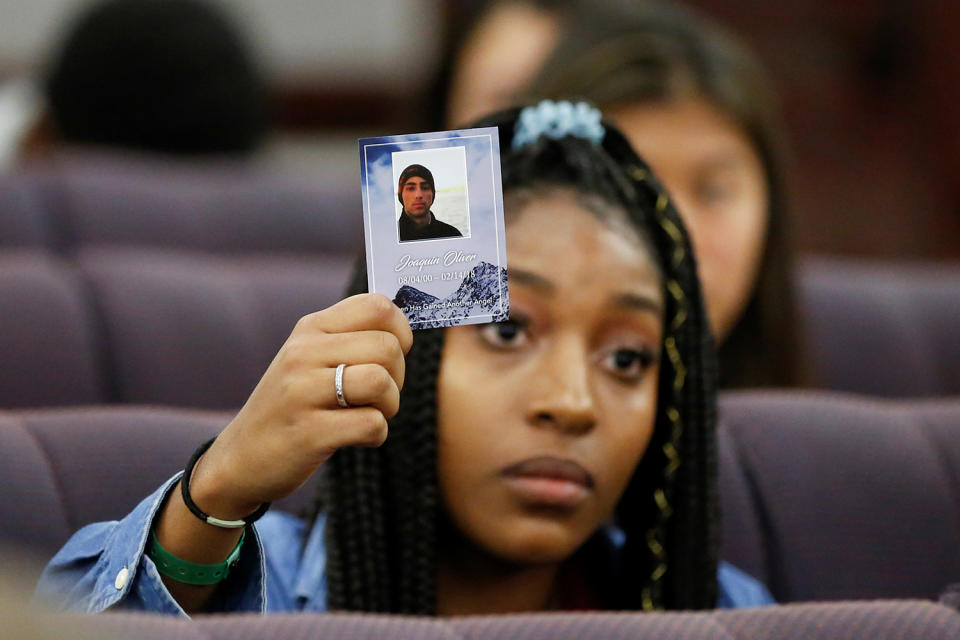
[189,572]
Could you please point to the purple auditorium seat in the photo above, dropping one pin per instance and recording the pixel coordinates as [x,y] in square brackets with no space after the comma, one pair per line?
[882,329]
[884,620]
[49,348]
[61,469]
[24,218]
[64,468]
[219,207]
[198,330]
[834,497]
[825,496]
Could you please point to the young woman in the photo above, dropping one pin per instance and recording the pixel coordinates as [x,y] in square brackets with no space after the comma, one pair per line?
[697,105]
[563,459]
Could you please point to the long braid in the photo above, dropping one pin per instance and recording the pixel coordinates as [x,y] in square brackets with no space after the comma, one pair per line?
[681,537]
[356,530]
[383,504]
[413,464]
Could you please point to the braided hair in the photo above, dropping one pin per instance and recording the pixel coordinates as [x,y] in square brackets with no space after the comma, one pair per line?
[384,507]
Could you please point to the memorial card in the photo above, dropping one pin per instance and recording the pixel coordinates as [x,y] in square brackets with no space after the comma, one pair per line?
[433,225]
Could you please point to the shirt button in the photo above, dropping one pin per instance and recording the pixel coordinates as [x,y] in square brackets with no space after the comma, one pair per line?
[122,578]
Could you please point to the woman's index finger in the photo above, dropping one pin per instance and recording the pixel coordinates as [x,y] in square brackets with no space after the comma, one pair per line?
[366,312]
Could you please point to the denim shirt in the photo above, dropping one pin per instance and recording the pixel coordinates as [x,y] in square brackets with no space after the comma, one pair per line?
[103,565]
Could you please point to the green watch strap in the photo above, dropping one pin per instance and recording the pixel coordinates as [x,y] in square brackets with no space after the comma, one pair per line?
[189,572]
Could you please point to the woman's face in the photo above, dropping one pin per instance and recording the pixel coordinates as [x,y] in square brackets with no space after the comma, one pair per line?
[543,419]
[717,182]
[498,58]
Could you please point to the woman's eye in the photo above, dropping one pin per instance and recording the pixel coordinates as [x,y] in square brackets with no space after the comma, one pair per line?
[629,364]
[507,334]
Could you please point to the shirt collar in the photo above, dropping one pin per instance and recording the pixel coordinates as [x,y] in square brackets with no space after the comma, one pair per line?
[406,221]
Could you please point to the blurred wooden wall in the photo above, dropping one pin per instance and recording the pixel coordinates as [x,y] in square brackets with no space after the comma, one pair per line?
[871,95]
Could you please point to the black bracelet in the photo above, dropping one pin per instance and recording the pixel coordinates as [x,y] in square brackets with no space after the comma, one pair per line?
[195,510]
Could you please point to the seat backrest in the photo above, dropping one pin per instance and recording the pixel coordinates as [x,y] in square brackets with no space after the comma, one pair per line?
[24,219]
[884,620]
[825,497]
[49,337]
[84,198]
[61,469]
[882,329]
[64,468]
[832,497]
[198,330]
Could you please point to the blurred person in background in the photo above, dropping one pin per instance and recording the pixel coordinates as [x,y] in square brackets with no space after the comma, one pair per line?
[165,76]
[494,53]
[694,102]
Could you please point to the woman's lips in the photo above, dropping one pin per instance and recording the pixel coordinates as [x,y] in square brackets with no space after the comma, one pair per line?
[549,481]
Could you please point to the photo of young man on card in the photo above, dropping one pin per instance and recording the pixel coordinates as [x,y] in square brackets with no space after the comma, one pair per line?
[433,220]
[416,192]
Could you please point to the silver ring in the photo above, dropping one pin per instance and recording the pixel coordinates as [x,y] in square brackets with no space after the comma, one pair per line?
[338,383]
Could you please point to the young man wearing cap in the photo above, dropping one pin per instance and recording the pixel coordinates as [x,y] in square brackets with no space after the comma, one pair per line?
[416,193]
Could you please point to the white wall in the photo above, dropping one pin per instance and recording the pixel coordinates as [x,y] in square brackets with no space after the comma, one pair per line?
[343,42]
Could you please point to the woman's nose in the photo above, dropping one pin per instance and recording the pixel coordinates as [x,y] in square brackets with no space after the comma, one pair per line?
[562,396]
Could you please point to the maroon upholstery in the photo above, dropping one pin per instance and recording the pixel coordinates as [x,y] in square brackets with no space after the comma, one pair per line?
[199,331]
[49,348]
[884,620]
[882,329]
[832,497]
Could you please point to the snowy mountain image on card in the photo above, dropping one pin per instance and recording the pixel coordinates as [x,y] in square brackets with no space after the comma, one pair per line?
[479,294]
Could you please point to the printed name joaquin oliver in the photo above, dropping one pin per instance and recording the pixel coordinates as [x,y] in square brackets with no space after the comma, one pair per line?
[447,259]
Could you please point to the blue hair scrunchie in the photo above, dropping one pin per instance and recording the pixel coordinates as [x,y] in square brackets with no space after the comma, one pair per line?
[556,120]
